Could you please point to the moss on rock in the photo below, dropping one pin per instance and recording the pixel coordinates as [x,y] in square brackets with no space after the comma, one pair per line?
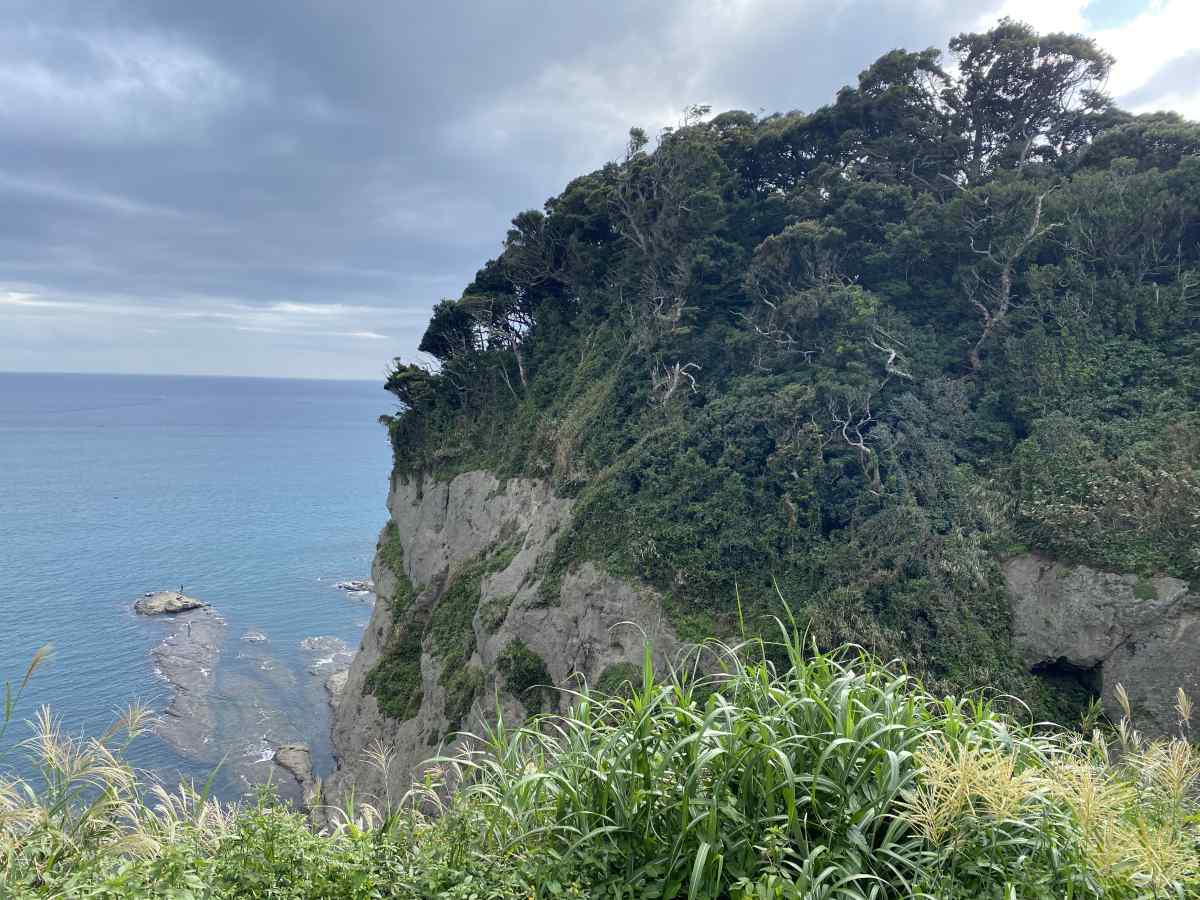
[525,675]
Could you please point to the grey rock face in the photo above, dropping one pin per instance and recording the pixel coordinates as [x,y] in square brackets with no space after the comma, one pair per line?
[296,759]
[442,526]
[1114,629]
[335,686]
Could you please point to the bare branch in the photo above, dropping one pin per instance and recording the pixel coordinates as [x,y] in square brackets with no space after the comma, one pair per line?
[665,380]
[890,365]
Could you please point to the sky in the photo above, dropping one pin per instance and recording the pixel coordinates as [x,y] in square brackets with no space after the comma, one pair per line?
[286,187]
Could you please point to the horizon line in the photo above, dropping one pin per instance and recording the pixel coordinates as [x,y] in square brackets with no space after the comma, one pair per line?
[3,372]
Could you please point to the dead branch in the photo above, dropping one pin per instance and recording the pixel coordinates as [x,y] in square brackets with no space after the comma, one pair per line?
[665,380]
[993,301]
[890,365]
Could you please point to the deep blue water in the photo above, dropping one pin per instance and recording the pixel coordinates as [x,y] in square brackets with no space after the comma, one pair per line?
[255,494]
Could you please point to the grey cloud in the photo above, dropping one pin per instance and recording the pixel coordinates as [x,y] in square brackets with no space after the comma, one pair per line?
[181,155]
[1177,78]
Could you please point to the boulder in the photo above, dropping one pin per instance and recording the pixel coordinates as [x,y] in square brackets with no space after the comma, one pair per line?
[296,759]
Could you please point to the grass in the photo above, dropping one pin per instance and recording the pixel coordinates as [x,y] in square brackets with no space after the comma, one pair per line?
[395,679]
[831,775]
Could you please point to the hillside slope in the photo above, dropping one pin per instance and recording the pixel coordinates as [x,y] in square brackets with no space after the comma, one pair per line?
[857,357]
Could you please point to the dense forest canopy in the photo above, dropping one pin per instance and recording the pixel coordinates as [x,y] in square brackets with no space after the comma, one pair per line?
[853,356]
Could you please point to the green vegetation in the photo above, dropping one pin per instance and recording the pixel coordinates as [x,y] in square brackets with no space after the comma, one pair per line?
[493,613]
[619,679]
[391,553]
[461,685]
[854,355]
[450,624]
[395,679]
[525,675]
[832,776]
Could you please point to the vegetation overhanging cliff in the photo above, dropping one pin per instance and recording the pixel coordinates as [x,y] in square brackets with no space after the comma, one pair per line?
[854,357]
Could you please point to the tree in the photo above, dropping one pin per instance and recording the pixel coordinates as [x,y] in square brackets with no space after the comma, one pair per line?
[1022,95]
[452,331]
[1003,224]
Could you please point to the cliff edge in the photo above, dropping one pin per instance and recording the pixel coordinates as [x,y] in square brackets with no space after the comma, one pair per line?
[465,626]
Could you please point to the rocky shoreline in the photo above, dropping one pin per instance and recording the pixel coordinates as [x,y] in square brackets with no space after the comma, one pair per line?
[187,659]
[229,705]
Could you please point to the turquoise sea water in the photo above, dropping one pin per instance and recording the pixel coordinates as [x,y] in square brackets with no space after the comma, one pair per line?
[256,494]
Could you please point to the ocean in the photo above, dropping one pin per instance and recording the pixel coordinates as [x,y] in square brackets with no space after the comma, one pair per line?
[255,495]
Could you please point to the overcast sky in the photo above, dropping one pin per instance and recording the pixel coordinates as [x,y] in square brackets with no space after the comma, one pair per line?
[286,188]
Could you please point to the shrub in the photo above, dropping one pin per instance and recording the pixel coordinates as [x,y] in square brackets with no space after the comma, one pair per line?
[619,678]
[395,679]
[525,675]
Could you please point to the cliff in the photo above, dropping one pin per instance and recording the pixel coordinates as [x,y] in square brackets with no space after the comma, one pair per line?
[855,359]
[464,625]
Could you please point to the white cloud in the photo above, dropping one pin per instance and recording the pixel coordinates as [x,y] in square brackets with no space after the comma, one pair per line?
[366,335]
[1162,33]
[118,87]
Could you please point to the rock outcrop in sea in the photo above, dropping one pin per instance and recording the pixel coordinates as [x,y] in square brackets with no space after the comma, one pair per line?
[233,705]
[296,759]
[187,659]
[156,603]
